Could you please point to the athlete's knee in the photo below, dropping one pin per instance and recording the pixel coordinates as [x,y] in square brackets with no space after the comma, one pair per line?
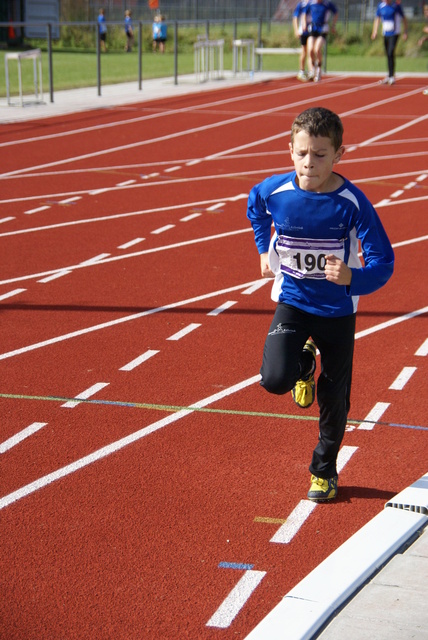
[277,383]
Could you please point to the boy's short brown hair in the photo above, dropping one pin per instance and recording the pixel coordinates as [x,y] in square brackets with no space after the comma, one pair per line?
[318,121]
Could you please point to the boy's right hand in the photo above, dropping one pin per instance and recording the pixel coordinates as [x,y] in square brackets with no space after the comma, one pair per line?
[264,266]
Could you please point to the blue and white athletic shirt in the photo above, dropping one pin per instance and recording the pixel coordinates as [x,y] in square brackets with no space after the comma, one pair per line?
[309,226]
[298,13]
[318,15]
[391,16]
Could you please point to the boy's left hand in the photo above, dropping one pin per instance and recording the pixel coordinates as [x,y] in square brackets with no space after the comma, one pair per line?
[337,271]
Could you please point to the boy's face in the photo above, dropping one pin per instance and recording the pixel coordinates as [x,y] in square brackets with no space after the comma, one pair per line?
[313,159]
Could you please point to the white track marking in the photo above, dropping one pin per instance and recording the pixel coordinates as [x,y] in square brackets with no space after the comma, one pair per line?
[120,444]
[236,599]
[162,114]
[423,349]
[84,395]
[221,308]
[131,243]
[112,323]
[37,210]
[166,227]
[257,284]
[215,176]
[192,216]
[186,132]
[8,219]
[294,522]
[54,276]
[390,323]
[11,294]
[184,332]
[137,361]
[136,254]
[403,378]
[303,510]
[374,416]
[22,435]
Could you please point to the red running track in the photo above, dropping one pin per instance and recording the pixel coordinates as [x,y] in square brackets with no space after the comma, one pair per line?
[129,275]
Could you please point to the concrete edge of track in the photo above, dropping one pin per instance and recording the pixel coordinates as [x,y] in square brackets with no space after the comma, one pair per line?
[322,594]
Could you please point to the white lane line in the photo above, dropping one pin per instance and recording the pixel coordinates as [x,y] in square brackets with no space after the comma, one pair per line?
[126,183]
[131,243]
[397,194]
[214,207]
[403,378]
[112,323]
[19,437]
[190,217]
[30,211]
[236,599]
[171,169]
[422,177]
[8,219]
[167,227]
[390,323]
[303,510]
[294,522]
[70,200]
[10,294]
[137,361]
[373,416]
[221,308]
[257,285]
[423,349]
[88,393]
[55,276]
[180,334]
[120,444]
[100,256]
[410,185]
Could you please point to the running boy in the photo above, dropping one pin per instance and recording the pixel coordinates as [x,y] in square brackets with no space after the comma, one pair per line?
[301,33]
[318,217]
[318,14]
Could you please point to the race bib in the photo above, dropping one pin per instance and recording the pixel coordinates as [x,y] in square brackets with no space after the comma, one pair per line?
[305,257]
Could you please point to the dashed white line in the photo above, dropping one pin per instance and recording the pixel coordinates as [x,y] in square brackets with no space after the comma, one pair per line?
[97,258]
[257,285]
[190,217]
[373,416]
[131,243]
[9,219]
[295,520]
[55,276]
[37,210]
[171,169]
[303,510]
[397,194]
[403,378]
[10,294]
[167,227]
[184,332]
[126,183]
[19,437]
[221,308]
[137,361]
[423,349]
[70,200]
[236,599]
[214,207]
[85,394]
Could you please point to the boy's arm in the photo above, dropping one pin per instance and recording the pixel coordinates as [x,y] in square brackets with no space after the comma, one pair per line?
[261,221]
[377,252]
